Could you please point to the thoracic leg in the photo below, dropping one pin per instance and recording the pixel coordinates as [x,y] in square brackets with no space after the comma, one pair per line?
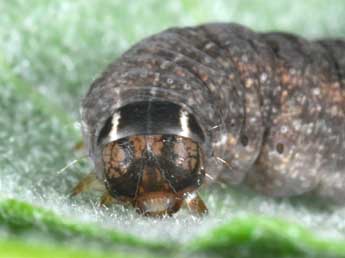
[195,204]
[89,182]
[107,199]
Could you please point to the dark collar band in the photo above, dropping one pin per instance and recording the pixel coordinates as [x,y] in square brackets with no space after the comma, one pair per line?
[151,118]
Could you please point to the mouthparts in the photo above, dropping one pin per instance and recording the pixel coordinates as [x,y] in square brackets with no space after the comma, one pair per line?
[158,203]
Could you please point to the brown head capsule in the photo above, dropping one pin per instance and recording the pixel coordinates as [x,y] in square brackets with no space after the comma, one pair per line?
[152,156]
[153,172]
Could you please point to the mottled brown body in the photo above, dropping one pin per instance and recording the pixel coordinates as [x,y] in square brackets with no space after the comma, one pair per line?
[305,141]
[271,105]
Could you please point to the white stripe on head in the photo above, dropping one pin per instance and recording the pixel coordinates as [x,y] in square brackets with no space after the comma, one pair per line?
[184,117]
[115,123]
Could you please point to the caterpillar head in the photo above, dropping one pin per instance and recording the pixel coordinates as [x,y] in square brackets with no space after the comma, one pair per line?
[149,162]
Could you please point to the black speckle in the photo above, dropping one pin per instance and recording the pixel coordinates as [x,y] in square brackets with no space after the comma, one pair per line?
[244,140]
[280,148]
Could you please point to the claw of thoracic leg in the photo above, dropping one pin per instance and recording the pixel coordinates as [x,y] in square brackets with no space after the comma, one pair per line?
[87,183]
[79,146]
[106,199]
[195,204]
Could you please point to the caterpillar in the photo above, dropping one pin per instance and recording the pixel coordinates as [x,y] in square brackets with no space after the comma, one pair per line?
[221,101]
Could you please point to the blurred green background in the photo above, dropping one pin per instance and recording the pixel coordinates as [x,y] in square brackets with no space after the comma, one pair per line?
[50,51]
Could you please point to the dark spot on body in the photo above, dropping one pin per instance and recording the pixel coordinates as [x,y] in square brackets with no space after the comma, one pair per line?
[244,140]
[280,148]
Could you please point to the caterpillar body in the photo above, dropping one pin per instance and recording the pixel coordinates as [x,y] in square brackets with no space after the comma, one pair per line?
[262,109]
